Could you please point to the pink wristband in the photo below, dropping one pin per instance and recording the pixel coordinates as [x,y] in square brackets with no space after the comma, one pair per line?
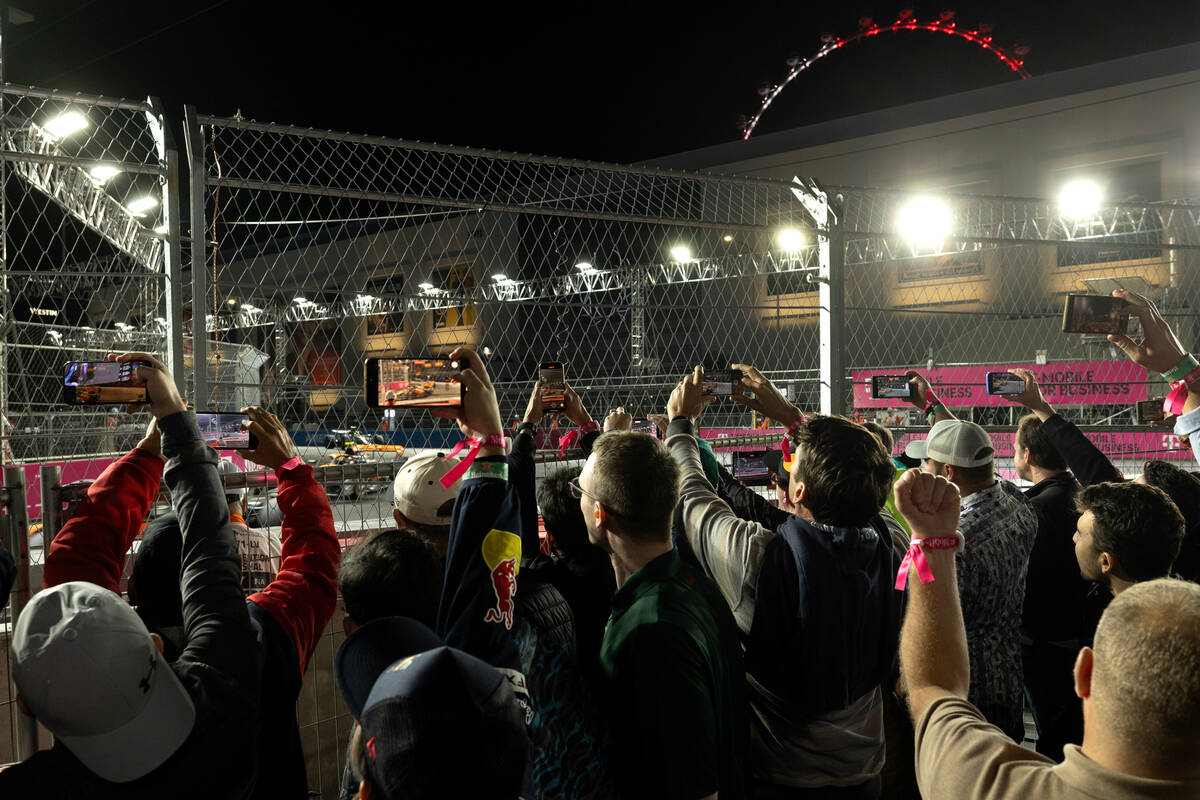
[1174,402]
[588,426]
[472,443]
[915,558]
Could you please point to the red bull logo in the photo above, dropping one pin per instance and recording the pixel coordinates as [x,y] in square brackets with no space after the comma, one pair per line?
[502,554]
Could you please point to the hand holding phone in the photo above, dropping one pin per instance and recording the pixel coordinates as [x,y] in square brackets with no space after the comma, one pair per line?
[412,383]
[270,443]
[1005,384]
[891,387]
[226,430]
[554,385]
[1095,313]
[720,382]
[1150,411]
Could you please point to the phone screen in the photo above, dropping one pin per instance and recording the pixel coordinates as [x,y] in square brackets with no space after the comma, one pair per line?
[751,466]
[645,426]
[86,382]
[413,383]
[720,382]
[554,385]
[1150,411]
[223,430]
[890,386]
[1005,383]
[1094,313]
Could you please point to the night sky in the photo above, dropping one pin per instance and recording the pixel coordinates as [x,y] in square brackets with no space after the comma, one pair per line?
[603,81]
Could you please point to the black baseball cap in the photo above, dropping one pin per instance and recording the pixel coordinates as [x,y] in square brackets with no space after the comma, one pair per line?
[371,649]
[774,461]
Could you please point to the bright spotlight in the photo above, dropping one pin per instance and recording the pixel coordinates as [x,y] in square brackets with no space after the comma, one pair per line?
[925,221]
[140,206]
[500,277]
[103,173]
[584,266]
[425,285]
[65,124]
[300,299]
[1080,199]
[681,253]
[790,239]
[231,302]
[727,238]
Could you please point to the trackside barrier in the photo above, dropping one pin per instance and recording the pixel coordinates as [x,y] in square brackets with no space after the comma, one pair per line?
[20,740]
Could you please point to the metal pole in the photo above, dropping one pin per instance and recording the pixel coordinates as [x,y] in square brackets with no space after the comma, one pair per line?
[25,727]
[51,477]
[172,252]
[197,176]
[833,310]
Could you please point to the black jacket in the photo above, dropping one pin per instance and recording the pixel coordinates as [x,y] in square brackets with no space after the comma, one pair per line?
[219,666]
[8,574]
[747,503]
[1054,590]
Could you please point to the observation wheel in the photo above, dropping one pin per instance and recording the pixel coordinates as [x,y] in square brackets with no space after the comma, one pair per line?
[980,36]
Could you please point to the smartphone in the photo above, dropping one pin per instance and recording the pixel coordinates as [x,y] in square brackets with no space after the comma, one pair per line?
[1095,313]
[720,382]
[223,430]
[90,382]
[894,387]
[1005,383]
[645,426]
[750,467]
[412,383]
[1150,411]
[554,385]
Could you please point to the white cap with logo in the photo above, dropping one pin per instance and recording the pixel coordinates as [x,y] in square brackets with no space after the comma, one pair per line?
[955,442]
[227,467]
[86,667]
[418,491]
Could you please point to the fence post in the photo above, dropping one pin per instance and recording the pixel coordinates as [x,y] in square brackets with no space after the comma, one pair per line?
[832,247]
[194,142]
[172,251]
[17,531]
[51,478]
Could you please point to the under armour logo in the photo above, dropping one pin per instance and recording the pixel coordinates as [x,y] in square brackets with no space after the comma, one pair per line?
[144,683]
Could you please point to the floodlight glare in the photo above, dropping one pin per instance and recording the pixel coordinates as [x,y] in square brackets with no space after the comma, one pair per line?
[681,253]
[231,302]
[65,124]
[925,221]
[103,173]
[426,285]
[727,238]
[300,299]
[1080,199]
[500,277]
[140,206]
[584,266]
[790,239]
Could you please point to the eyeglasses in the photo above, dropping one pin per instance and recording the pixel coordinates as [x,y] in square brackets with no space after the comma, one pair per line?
[578,491]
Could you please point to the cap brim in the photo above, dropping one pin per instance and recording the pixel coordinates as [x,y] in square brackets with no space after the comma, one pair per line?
[371,649]
[146,742]
[916,449]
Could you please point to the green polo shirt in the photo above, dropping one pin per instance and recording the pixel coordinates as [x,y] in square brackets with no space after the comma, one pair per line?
[675,686]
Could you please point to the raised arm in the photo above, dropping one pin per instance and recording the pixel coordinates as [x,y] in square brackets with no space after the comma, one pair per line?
[1081,454]
[521,471]
[933,640]
[92,545]
[483,555]
[727,547]
[216,625]
[303,594]
[924,398]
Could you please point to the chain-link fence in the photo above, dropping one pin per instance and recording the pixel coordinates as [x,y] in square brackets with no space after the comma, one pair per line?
[312,251]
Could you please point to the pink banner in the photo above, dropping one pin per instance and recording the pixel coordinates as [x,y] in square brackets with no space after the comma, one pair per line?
[1118,446]
[1066,383]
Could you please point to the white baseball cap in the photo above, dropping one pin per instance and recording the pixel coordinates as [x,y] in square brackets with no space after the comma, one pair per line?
[226,467]
[418,491]
[955,442]
[86,667]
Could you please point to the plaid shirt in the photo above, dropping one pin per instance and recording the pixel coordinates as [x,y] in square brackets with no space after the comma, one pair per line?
[999,525]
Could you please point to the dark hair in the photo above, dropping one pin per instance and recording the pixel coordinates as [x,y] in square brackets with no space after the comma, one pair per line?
[1180,485]
[1042,452]
[844,468]
[561,512]
[883,434]
[154,579]
[395,573]
[637,480]
[1136,523]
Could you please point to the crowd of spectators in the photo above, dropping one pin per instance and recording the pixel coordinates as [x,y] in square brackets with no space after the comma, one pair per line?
[684,637]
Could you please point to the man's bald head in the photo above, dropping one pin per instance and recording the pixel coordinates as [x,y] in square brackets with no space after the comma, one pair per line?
[1144,687]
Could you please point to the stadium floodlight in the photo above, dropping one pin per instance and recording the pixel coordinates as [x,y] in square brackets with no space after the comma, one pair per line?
[426,285]
[160,228]
[65,124]
[1080,199]
[248,307]
[301,299]
[499,277]
[103,173]
[140,206]
[925,221]
[790,240]
[727,238]
[231,302]
[584,266]
[681,253]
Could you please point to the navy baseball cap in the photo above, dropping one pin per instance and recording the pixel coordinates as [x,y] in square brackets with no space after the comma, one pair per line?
[371,649]
[442,723]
